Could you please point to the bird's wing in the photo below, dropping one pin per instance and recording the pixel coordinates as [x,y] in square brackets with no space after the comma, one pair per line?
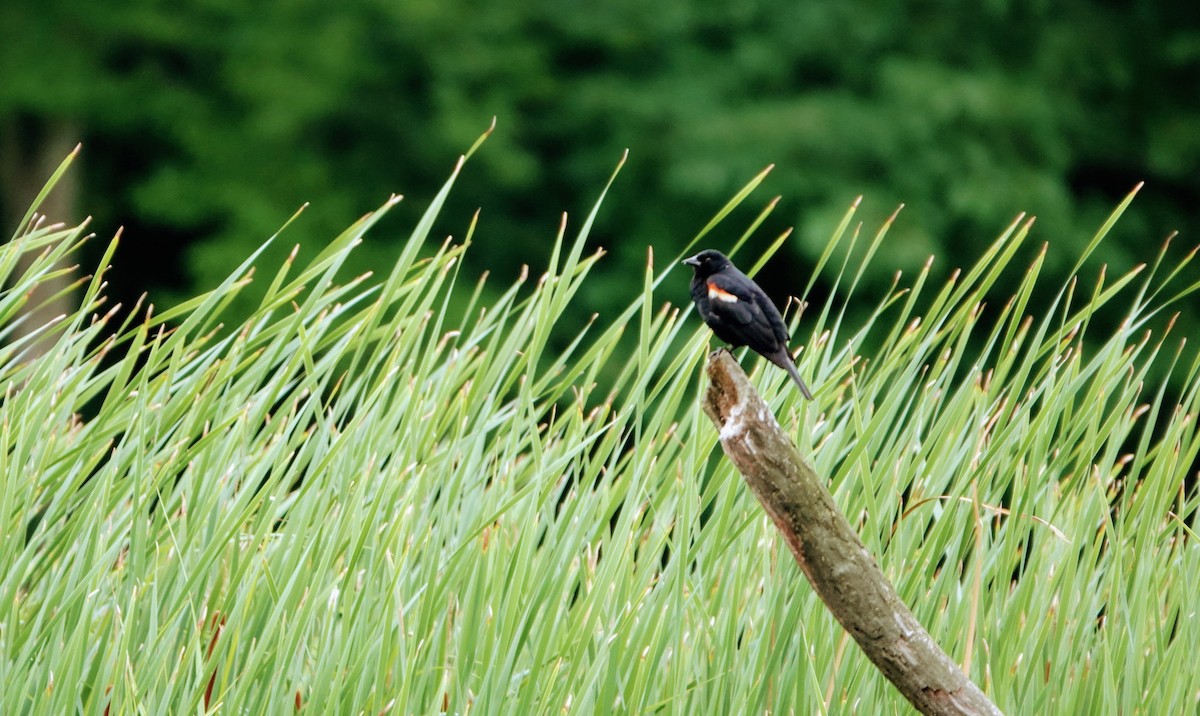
[732,298]
[777,324]
[738,300]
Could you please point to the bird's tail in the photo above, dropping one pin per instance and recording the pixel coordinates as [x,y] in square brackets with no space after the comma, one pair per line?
[783,359]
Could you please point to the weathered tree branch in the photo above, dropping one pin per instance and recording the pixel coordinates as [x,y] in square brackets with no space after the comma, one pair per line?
[829,552]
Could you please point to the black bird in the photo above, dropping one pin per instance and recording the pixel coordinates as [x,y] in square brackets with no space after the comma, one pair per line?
[739,312]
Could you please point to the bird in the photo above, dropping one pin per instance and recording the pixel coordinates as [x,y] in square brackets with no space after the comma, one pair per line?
[739,312]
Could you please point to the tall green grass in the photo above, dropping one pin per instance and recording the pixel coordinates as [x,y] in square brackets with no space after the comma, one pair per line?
[351,503]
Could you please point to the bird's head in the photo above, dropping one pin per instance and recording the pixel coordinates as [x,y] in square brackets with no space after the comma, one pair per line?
[708,262]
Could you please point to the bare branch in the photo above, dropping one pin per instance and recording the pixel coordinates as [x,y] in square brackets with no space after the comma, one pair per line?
[829,552]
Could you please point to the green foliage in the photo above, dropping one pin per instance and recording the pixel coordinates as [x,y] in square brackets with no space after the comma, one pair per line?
[207,122]
[353,502]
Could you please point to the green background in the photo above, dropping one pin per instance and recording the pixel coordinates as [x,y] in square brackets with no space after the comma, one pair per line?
[207,124]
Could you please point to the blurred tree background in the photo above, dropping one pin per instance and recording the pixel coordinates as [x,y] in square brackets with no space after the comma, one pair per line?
[207,123]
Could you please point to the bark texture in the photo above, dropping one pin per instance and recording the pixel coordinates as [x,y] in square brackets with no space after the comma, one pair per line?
[837,564]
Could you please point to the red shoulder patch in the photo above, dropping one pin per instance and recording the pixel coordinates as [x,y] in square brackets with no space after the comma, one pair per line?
[717,293]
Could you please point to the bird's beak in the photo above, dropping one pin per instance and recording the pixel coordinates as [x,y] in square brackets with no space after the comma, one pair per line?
[692,261]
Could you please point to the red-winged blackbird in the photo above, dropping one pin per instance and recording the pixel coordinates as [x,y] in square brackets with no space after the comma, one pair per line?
[739,312]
